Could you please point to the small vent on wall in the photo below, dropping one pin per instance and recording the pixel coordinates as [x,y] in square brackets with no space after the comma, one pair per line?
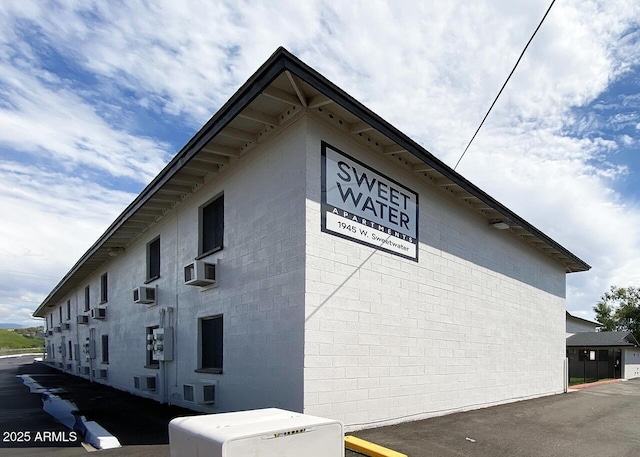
[188,392]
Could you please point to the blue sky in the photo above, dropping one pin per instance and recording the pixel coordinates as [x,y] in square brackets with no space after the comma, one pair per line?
[95,97]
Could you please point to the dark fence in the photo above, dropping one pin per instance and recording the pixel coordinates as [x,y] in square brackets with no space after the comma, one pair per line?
[593,364]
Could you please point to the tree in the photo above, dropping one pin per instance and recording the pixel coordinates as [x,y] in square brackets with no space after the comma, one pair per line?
[619,309]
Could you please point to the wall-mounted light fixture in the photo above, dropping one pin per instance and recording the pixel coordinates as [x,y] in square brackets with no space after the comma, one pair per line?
[500,225]
[114,252]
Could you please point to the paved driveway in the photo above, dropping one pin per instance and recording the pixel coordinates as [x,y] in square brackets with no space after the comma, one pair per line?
[598,421]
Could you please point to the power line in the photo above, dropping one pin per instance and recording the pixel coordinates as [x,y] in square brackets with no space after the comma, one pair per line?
[505,83]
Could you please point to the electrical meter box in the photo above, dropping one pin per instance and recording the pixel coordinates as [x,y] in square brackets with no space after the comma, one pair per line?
[162,343]
[262,432]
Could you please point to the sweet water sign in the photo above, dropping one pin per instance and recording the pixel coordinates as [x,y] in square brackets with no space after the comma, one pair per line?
[363,205]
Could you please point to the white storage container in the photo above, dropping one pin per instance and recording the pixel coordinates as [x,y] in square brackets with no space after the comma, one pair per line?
[263,432]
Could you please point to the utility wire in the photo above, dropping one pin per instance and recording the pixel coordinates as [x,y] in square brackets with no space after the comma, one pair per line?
[505,83]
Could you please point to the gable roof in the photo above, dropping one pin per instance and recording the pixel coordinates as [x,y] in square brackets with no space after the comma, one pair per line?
[583,321]
[601,339]
[276,95]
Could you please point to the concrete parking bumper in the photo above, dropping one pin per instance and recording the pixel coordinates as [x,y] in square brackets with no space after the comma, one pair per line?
[597,421]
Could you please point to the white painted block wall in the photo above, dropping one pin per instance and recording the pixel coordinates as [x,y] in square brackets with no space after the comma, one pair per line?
[260,292]
[479,320]
[316,323]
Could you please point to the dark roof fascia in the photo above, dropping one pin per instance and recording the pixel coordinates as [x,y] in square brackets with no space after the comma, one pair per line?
[597,324]
[279,61]
[629,345]
[626,340]
[315,79]
[264,76]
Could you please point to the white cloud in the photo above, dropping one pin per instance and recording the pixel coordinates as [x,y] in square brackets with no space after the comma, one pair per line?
[49,220]
[431,69]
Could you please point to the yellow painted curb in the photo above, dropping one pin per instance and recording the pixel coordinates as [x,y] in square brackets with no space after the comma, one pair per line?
[370,449]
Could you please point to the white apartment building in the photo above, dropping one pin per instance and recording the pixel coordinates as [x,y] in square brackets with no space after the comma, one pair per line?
[302,253]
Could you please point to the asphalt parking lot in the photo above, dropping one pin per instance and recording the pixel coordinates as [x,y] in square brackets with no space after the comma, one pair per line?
[598,421]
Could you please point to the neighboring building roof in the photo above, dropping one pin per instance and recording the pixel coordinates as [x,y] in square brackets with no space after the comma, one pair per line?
[601,339]
[595,324]
[280,91]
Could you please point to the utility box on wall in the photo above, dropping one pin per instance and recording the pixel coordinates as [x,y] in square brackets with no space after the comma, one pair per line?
[162,343]
[265,432]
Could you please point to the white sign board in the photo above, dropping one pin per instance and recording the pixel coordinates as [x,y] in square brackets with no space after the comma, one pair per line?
[365,206]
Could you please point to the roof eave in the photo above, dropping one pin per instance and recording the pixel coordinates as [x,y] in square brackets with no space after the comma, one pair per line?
[282,60]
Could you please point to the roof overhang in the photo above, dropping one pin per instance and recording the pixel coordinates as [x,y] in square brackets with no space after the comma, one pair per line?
[278,93]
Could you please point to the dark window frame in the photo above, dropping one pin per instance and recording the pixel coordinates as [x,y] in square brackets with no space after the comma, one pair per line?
[104,288]
[60,313]
[105,348]
[68,310]
[153,260]
[211,226]
[87,298]
[211,344]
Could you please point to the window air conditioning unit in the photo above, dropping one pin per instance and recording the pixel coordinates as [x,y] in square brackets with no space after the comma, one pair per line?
[100,374]
[188,392]
[144,295]
[84,371]
[145,382]
[206,394]
[50,333]
[199,273]
[99,313]
[65,326]
[201,393]
[57,329]
[69,367]
[82,319]
[266,432]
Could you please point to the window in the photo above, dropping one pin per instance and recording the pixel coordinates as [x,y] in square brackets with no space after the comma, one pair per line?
[151,361]
[60,312]
[211,343]
[87,298]
[68,310]
[153,260]
[70,352]
[212,226]
[103,288]
[51,319]
[105,348]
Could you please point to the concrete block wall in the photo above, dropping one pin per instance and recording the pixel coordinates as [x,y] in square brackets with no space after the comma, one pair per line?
[260,290]
[479,320]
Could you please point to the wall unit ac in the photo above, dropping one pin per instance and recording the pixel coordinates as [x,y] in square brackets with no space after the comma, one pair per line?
[50,333]
[99,313]
[144,295]
[100,373]
[84,371]
[200,393]
[82,319]
[57,329]
[69,367]
[200,273]
[146,383]
[65,326]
